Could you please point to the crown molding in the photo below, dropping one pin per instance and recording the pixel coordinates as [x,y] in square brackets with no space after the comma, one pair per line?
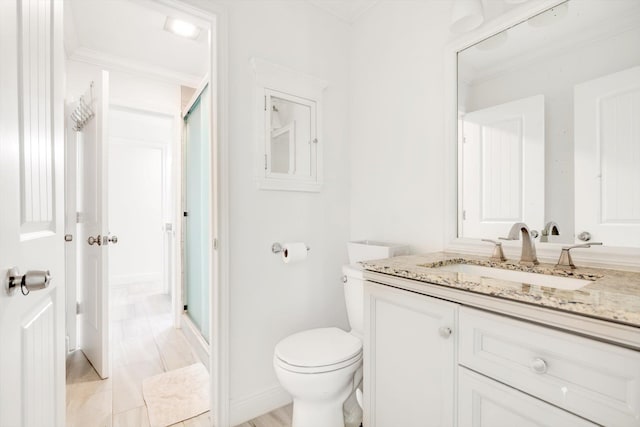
[119,63]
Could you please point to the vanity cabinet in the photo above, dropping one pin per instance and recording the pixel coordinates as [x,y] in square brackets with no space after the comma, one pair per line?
[483,402]
[436,363]
[598,381]
[409,359]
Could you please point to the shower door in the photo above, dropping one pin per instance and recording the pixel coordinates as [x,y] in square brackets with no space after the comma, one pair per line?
[197,214]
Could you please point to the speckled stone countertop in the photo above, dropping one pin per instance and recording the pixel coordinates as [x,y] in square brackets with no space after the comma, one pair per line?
[613,295]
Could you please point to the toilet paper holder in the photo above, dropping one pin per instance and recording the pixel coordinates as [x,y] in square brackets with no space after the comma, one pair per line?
[276,248]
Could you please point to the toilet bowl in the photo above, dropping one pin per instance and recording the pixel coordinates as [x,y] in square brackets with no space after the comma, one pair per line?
[321,367]
[317,368]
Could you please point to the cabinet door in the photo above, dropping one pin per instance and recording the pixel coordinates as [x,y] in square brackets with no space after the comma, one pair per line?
[483,402]
[409,359]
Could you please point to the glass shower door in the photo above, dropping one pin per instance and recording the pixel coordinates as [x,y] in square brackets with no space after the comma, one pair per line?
[197,214]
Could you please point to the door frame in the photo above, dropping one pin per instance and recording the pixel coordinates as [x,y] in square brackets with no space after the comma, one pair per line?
[216,15]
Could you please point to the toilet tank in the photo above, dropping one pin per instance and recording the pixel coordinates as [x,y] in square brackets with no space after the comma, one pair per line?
[354,298]
[363,250]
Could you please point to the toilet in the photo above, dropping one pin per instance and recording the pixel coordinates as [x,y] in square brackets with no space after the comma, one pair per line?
[321,367]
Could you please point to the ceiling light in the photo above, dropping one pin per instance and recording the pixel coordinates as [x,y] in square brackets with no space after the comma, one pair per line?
[466,15]
[182,28]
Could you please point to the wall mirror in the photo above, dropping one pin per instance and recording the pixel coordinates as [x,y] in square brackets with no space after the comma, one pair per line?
[548,115]
[288,116]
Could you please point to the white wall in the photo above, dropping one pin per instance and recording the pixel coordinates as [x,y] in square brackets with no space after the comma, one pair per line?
[397,123]
[269,300]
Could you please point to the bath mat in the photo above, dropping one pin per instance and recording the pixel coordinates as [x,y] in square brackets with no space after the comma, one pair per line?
[177,395]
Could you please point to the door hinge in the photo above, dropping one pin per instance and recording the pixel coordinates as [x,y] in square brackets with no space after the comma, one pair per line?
[464,215]
[77,308]
[265,162]
[79,217]
[464,139]
[265,103]
[215,244]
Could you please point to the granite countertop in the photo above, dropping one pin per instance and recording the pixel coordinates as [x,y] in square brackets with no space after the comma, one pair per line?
[612,295]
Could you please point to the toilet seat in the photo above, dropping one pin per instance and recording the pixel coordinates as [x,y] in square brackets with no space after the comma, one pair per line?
[318,350]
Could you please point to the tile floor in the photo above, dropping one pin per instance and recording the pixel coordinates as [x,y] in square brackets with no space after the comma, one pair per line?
[143,343]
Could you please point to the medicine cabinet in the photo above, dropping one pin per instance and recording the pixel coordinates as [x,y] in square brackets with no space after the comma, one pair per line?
[288,111]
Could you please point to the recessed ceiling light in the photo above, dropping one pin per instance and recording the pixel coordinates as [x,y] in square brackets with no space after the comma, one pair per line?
[182,28]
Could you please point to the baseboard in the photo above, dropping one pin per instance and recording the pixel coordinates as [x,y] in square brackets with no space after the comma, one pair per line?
[245,408]
[195,340]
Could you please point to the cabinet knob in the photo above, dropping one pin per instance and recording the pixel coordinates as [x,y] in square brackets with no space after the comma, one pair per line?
[539,366]
[445,332]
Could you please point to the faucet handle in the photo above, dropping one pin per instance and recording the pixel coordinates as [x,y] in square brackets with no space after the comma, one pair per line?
[581,245]
[565,262]
[498,254]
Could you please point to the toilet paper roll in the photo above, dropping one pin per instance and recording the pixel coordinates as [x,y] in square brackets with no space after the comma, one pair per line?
[293,252]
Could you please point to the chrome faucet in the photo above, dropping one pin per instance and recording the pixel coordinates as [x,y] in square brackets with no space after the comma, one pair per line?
[528,256]
[550,229]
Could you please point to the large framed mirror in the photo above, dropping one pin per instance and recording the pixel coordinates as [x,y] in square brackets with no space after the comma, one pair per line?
[547,113]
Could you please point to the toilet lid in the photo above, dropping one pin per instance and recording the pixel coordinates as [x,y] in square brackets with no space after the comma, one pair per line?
[318,347]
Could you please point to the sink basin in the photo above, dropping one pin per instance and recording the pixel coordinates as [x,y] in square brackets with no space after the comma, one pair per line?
[558,282]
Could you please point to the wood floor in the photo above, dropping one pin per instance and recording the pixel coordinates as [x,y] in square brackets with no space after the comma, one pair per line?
[279,418]
[144,343]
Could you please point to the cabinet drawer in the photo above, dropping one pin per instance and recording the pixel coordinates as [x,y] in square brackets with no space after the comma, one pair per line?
[483,402]
[598,381]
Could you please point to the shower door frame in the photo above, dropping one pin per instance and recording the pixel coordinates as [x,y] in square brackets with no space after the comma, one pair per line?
[180,313]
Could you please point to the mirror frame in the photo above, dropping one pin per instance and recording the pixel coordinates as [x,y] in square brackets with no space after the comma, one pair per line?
[271,77]
[627,258]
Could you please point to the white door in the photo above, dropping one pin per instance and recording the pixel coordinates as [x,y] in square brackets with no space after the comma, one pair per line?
[483,402]
[607,158]
[32,348]
[93,235]
[409,359]
[503,168]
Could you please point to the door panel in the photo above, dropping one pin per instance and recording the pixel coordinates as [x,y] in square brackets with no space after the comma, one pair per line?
[93,258]
[607,154]
[32,360]
[502,167]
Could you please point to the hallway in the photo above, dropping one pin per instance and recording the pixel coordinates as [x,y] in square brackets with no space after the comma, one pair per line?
[144,343]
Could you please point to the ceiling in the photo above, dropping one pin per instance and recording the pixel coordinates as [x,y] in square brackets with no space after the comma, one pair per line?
[347,10]
[523,44]
[131,33]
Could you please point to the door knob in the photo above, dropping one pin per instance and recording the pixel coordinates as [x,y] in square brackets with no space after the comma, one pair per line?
[95,240]
[32,280]
[585,236]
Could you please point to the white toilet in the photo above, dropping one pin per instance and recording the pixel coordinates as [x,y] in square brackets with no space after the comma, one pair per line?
[317,367]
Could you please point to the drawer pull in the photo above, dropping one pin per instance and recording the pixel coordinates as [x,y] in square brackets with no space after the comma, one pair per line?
[445,332]
[539,366]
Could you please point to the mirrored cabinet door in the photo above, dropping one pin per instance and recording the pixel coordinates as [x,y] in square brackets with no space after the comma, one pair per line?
[290,138]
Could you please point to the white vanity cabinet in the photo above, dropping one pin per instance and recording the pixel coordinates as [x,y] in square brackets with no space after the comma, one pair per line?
[409,359]
[483,402]
[592,379]
[435,363]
